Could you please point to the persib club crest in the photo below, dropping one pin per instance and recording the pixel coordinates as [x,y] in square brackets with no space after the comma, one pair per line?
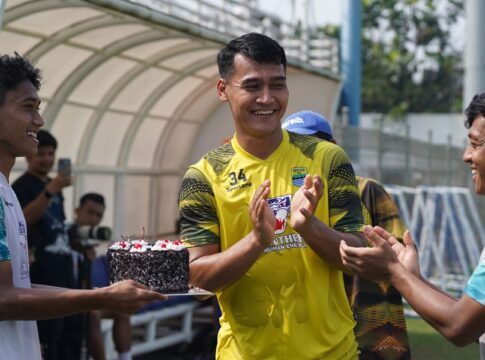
[281,210]
[298,175]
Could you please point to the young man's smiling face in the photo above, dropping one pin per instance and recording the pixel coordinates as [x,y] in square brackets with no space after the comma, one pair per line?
[258,96]
[475,153]
[20,121]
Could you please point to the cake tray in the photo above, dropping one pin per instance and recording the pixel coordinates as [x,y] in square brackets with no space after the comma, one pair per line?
[192,292]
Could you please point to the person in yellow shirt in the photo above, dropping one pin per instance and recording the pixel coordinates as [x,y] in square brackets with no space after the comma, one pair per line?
[263,216]
[377,306]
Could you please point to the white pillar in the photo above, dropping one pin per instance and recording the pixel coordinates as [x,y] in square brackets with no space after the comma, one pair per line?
[474,50]
[2,10]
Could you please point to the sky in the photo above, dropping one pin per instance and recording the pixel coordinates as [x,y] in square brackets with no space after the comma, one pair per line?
[324,11]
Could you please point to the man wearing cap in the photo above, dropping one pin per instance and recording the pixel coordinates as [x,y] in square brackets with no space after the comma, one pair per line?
[382,333]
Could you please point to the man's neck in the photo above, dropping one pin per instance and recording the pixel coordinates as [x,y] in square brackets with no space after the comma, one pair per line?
[6,165]
[40,176]
[262,148]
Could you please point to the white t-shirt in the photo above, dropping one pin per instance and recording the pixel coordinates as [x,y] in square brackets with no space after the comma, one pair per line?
[475,289]
[18,339]
[482,338]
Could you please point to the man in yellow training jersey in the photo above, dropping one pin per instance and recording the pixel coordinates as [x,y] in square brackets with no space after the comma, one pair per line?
[263,216]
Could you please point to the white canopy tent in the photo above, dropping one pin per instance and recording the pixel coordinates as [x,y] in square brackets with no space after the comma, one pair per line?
[130,95]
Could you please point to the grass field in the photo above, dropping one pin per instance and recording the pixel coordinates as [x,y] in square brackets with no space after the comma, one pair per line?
[428,344]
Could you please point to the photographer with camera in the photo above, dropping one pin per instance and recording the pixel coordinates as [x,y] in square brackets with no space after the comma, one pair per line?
[86,234]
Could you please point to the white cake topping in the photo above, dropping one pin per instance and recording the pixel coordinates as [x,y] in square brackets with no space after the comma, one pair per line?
[138,246]
[161,245]
[164,245]
[120,245]
[178,245]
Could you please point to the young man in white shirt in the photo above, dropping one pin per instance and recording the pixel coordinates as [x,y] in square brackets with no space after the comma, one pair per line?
[462,321]
[20,122]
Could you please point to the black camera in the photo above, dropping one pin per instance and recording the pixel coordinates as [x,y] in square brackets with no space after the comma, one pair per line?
[87,236]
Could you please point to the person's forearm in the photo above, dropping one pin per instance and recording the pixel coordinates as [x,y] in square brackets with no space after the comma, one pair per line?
[430,284]
[47,287]
[325,241]
[47,303]
[214,272]
[34,210]
[432,304]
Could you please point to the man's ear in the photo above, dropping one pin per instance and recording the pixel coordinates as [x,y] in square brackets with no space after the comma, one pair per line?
[221,89]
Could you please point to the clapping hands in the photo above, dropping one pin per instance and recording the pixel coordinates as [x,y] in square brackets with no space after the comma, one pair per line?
[262,216]
[305,202]
[380,261]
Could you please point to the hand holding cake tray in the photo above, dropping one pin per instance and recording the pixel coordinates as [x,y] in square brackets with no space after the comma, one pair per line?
[162,267]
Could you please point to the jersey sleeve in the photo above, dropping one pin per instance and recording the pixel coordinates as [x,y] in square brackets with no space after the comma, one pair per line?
[475,287]
[381,207]
[198,216]
[4,252]
[343,195]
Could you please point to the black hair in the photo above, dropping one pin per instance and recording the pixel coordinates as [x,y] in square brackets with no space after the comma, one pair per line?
[475,109]
[92,196]
[323,136]
[15,69]
[46,139]
[254,46]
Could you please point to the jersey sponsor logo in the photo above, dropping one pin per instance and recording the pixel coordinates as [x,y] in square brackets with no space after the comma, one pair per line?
[24,271]
[283,242]
[296,120]
[237,180]
[281,209]
[24,256]
[8,203]
[21,228]
[298,175]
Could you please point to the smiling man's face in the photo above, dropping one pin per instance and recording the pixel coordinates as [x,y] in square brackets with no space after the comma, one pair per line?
[474,154]
[258,96]
[20,121]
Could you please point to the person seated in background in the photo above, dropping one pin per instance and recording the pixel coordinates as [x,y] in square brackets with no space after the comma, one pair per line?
[462,321]
[90,213]
[378,308]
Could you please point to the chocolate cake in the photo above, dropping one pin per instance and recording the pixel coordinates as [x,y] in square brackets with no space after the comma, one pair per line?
[162,267]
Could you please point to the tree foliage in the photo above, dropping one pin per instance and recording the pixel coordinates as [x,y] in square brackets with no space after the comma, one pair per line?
[409,63]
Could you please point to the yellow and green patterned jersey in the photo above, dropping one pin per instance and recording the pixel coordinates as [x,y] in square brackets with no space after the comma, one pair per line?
[381,327]
[291,304]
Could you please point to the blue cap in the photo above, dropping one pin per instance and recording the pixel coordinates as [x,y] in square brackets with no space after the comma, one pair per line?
[307,123]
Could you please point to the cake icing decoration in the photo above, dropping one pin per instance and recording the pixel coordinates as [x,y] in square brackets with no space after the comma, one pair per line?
[139,246]
[120,245]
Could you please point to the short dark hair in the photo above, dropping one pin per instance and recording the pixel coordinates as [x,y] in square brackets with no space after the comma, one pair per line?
[15,69]
[475,109]
[46,139]
[92,196]
[254,46]
[323,136]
